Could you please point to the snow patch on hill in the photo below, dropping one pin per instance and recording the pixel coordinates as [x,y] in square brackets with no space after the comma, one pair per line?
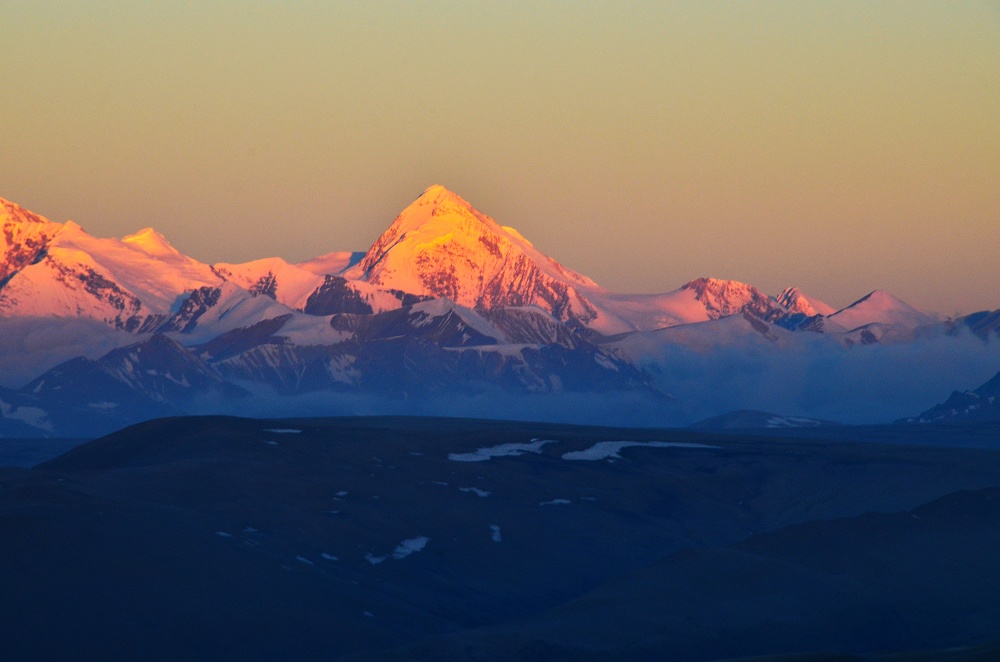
[503,450]
[604,450]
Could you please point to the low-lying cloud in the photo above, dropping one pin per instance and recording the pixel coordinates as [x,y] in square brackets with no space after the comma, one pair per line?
[818,378]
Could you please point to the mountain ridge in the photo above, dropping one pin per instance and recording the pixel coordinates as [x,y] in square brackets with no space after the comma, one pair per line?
[447,302]
[504,270]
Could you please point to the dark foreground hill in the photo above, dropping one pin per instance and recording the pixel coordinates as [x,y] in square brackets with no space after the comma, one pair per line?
[224,538]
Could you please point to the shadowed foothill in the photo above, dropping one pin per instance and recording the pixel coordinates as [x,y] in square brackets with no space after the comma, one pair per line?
[420,538]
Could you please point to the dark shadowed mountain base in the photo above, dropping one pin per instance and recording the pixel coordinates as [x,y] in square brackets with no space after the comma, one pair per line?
[427,539]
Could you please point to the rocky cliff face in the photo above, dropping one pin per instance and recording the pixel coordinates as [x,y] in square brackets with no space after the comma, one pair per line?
[796,301]
[722,298]
[23,237]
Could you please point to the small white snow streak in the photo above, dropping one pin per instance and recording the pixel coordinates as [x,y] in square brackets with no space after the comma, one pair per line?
[409,546]
[791,422]
[503,450]
[609,449]
[495,533]
[283,430]
[555,502]
[30,415]
[403,549]
[475,490]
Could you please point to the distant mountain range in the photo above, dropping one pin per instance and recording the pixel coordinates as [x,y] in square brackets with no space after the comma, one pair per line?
[980,404]
[447,312]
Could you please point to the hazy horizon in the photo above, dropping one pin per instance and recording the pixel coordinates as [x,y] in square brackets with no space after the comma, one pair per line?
[838,148]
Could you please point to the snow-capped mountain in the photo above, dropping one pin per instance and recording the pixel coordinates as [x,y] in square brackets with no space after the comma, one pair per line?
[884,310]
[699,300]
[446,303]
[286,283]
[59,270]
[316,286]
[440,246]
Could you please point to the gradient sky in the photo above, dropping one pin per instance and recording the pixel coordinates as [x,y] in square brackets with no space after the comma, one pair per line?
[836,146]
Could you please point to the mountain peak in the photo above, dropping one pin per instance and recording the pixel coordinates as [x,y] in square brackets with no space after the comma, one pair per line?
[722,298]
[442,246]
[881,307]
[150,242]
[442,206]
[24,235]
[718,287]
[879,296]
[11,211]
[433,198]
[436,192]
[880,300]
[437,218]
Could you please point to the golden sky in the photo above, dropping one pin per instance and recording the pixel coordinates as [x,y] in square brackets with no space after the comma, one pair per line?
[836,146]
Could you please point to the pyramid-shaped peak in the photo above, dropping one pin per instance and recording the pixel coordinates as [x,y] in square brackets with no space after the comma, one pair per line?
[884,308]
[881,298]
[437,192]
[438,215]
[441,246]
[438,202]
